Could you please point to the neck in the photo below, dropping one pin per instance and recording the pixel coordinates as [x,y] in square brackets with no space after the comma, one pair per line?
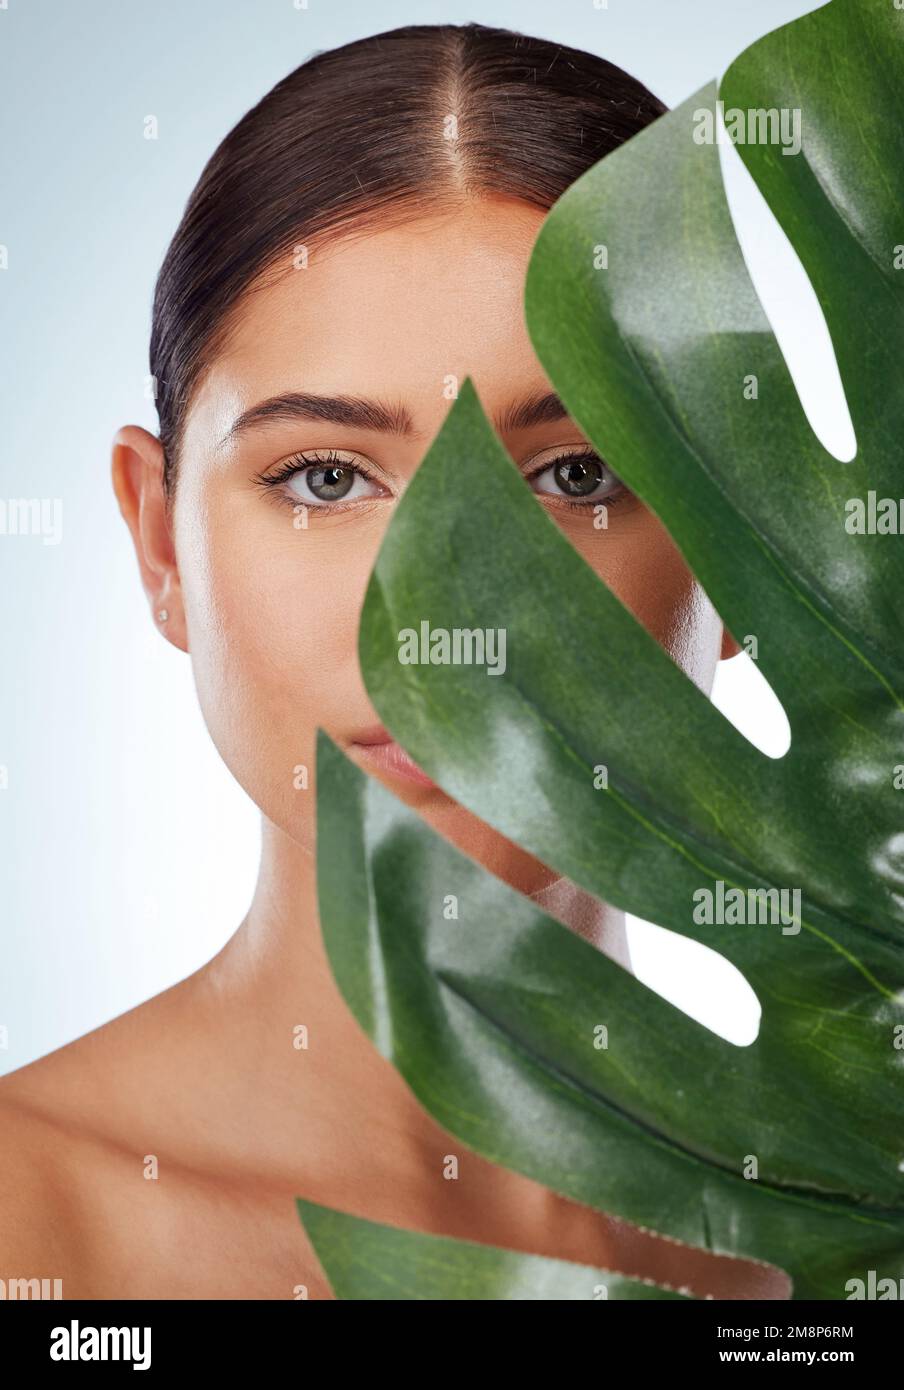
[322,1111]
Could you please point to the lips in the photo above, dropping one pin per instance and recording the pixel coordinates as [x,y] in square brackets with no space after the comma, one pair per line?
[376,748]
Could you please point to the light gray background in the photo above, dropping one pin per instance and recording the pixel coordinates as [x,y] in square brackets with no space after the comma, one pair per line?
[127,853]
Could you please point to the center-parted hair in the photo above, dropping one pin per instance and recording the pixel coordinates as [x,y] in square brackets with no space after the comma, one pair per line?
[376,132]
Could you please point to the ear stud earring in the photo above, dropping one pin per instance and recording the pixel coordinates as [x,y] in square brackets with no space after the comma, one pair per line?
[163,615]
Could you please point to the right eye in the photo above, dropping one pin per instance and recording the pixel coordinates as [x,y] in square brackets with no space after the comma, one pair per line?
[336,482]
[322,482]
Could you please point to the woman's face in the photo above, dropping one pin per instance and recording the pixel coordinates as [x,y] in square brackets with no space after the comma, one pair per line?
[271,605]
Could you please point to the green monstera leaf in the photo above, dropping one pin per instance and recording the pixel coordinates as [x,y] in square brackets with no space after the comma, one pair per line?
[367,1260]
[493,1019]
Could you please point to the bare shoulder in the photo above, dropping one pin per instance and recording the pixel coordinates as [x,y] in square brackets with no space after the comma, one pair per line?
[38,1159]
[109,1182]
[60,1160]
[71,1092]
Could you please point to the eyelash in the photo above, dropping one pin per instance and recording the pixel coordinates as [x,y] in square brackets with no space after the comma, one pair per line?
[581,456]
[300,463]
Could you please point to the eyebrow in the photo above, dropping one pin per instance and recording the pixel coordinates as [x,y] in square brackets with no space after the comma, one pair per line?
[357,412]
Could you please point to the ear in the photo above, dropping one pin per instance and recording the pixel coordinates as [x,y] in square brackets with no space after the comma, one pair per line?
[138,484]
[730,647]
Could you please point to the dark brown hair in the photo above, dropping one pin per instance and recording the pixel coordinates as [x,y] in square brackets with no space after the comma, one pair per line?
[359,135]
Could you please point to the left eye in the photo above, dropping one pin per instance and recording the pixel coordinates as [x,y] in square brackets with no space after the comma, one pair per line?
[581,477]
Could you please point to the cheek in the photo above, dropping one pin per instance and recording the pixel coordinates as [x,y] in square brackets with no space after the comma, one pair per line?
[272,613]
[640,563]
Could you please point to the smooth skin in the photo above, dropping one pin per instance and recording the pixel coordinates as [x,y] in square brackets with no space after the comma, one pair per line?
[205,1077]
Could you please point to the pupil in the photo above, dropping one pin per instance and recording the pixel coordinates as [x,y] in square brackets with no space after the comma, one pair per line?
[329,484]
[578,477]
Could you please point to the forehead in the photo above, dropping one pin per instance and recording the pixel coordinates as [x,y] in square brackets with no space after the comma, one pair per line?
[388,312]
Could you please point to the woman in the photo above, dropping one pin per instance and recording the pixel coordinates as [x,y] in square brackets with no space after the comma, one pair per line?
[359,241]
